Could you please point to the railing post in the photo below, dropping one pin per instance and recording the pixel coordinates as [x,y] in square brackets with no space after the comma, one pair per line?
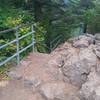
[17,44]
[33,39]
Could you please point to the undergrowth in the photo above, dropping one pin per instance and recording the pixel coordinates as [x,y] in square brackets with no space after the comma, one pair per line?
[3,72]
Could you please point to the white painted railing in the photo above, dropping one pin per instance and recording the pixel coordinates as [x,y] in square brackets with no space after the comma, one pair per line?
[18,51]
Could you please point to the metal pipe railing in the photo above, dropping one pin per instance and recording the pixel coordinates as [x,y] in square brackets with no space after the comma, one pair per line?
[53,43]
[18,51]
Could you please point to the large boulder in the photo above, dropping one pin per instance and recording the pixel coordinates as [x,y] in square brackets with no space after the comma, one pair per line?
[14,75]
[74,63]
[58,91]
[91,89]
[97,39]
[78,66]
[97,50]
[97,42]
[83,41]
[97,36]
[98,68]
[32,80]
[70,72]
[81,44]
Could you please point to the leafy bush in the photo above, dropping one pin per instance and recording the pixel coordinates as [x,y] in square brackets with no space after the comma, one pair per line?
[40,33]
[11,18]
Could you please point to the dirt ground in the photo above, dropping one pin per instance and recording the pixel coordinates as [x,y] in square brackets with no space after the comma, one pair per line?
[27,78]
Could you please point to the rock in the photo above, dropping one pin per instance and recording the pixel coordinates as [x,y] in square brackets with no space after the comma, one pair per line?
[57,61]
[14,75]
[57,91]
[81,44]
[25,62]
[98,68]
[37,96]
[63,50]
[97,36]
[52,90]
[83,41]
[97,39]
[32,80]
[90,38]
[97,51]
[91,89]
[71,97]
[97,42]
[70,72]
[88,56]
[54,65]
[72,40]
[90,35]
[77,67]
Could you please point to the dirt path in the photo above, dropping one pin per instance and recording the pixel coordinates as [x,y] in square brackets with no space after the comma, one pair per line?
[27,78]
[17,89]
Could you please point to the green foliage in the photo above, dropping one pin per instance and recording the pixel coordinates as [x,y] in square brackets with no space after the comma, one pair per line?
[92,18]
[40,33]
[13,17]
[6,52]
[52,17]
[3,71]
[10,18]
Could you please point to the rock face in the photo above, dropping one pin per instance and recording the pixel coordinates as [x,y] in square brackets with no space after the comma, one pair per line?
[83,41]
[97,39]
[97,51]
[91,89]
[70,72]
[58,91]
[79,61]
[76,59]
[78,67]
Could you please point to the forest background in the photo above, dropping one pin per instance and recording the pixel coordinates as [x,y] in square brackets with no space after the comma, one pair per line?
[51,19]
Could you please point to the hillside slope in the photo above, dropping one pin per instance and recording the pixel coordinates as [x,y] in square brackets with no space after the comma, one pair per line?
[70,72]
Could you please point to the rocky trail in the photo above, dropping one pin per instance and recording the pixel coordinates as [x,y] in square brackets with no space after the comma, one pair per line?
[70,72]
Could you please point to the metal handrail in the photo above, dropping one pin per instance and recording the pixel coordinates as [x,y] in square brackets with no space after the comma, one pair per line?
[56,41]
[15,28]
[5,45]
[56,44]
[18,51]
[8,30]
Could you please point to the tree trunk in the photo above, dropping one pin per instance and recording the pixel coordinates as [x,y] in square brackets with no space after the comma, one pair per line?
[38,11]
